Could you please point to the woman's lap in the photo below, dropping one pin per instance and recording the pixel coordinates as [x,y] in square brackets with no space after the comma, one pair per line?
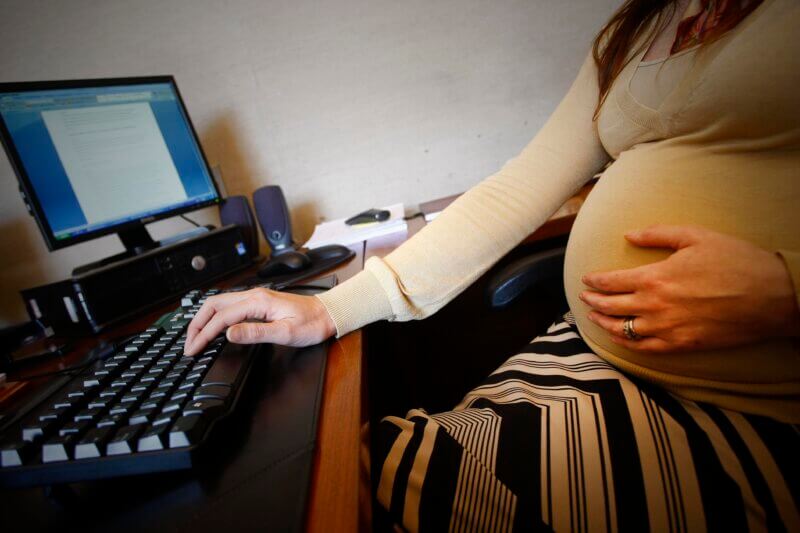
[557,438]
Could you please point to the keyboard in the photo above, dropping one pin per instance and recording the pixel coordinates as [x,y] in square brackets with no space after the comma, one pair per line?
[143,407]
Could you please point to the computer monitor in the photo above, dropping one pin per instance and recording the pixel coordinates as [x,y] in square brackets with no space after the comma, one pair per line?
[95,157]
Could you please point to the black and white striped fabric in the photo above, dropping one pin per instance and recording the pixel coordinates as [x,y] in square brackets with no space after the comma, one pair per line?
[556,438]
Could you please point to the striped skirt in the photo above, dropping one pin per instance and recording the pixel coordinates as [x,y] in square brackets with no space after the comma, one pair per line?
[558,439]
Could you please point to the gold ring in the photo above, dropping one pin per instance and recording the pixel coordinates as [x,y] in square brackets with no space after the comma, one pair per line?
[627,329]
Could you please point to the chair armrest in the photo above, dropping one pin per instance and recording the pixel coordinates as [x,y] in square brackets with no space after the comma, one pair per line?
[516,278]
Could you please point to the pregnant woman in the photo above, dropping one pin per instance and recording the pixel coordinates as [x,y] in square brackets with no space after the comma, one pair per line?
[669,398]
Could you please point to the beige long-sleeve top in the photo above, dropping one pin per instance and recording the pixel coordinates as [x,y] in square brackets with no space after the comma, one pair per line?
[722,150]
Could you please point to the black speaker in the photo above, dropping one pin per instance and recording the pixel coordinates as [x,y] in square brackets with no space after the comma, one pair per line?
[236,210]
[273,217]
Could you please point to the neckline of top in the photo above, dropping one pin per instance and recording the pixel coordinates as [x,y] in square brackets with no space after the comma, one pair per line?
[652,117]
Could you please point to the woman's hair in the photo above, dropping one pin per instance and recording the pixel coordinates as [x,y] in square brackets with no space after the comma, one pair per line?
[612,46]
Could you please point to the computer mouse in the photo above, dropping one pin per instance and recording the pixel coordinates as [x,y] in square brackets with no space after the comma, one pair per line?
[285,263]
[330,251]
[371,215]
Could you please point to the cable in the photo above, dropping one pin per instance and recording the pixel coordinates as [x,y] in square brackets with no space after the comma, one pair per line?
[415,215]
[190,221]
[99,352]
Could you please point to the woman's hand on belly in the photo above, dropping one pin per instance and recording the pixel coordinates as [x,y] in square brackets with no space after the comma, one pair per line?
[713,291]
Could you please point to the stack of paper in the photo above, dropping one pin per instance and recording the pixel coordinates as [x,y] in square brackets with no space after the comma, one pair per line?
[337,232]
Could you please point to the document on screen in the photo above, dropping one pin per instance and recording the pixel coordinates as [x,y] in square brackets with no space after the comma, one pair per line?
[115,158]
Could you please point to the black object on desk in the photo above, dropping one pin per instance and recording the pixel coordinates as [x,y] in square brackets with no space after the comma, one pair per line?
[370,215]
[286,268]
[253,474]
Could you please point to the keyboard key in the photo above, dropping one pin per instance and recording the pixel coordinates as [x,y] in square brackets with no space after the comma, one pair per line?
[166,385]
[125,440]
[111,392]
[51,415]
[212,392]
[58,448]
[159,394]
[152,403]
[121,382]
[112,421]
[194,376]
[132,397]
[121,409]
[206,408]
[73,428]
[174,375]
[13,453]
[79,393]
[155,438]
[34,430]
[142,416]
[142,387]
[90,414]
[93,443]
[65,403]
[186,431]
[173,406]
[100,403]
[179,395]
[96,379]
[188,385]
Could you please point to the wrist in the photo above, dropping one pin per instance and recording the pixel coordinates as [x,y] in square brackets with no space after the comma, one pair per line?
[324,317]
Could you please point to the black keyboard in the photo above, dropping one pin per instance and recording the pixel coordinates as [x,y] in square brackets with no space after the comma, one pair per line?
[144,407]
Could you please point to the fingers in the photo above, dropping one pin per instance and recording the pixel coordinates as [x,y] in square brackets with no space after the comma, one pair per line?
[278,332]
[613,324]
[614,304]
[207,310]
[647,342]
[662,236]
[220,317]
[628,280]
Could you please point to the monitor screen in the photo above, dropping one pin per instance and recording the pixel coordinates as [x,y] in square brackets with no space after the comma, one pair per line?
[98,155]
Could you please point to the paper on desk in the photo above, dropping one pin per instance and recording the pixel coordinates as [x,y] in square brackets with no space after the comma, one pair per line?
[337,232]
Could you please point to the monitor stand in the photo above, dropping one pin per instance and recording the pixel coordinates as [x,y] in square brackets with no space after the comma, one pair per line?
[136,240]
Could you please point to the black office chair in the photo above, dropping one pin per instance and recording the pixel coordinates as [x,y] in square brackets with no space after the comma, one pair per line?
[537,271]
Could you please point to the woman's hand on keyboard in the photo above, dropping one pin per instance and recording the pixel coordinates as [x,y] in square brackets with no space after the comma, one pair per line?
[260,315]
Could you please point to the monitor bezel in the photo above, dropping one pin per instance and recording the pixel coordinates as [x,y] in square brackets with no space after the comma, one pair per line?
[26,186]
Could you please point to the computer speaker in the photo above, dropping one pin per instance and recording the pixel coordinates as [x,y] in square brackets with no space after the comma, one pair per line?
[236,210]
[273,217]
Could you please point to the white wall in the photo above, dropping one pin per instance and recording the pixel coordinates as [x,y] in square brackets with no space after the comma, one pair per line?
[346,104]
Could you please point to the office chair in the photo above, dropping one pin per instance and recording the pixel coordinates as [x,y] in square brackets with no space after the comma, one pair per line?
[538,270]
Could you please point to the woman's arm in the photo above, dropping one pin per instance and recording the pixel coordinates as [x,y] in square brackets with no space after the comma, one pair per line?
[474,232]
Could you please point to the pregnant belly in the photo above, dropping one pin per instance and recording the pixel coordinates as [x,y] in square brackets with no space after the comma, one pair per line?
[754,199]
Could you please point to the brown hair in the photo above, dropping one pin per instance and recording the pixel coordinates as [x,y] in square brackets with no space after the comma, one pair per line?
[612,46]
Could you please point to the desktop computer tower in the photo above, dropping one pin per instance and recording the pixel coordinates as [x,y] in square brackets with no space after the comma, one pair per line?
[89,302]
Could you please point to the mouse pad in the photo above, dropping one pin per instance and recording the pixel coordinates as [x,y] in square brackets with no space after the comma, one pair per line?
[254,475]
[319,264]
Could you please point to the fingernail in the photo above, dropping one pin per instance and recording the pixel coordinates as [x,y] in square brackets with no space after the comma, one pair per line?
[582,296]
[591,317]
